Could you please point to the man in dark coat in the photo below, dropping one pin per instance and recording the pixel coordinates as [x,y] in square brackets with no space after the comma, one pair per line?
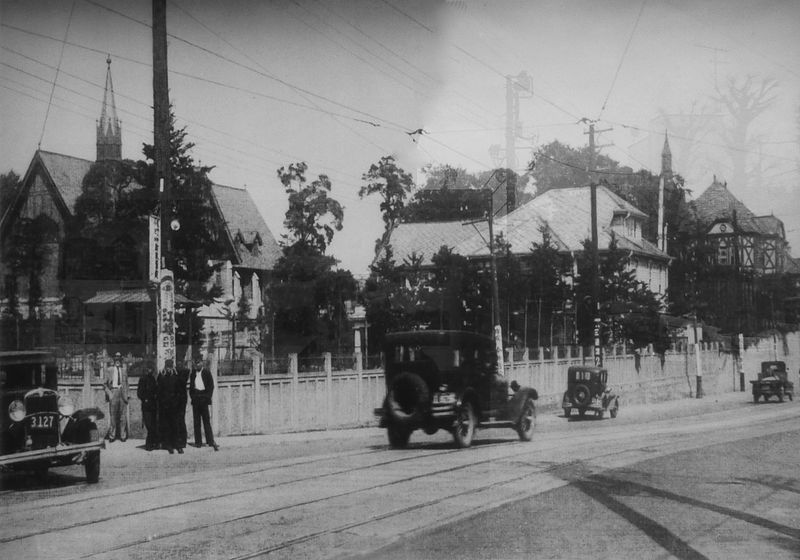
[182,400]
[147,391]
[201,388]
[169,395]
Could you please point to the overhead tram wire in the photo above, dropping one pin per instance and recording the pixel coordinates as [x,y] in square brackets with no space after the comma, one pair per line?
[205,80]
[478,60]
[409,63]
[55,79]
[698,141]
[622,59]
[249,58]
[375,120]
[510,49]
[147,132]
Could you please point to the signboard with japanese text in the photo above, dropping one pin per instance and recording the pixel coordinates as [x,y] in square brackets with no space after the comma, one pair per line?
[154,252]
[165,346]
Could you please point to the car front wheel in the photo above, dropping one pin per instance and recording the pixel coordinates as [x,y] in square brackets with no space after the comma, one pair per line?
[464,428]
[755,397]
[527,421]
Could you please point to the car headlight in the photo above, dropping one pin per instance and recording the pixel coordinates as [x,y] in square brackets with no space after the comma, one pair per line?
[65,406]
[16,410]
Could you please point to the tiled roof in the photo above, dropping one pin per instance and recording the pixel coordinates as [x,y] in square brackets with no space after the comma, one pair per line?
[241,215]
[717,203]
[765,225]
[566,214]
[425,239]
[67,173]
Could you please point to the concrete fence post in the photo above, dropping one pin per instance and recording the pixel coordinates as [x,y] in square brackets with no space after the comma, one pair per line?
[359,377]
[328,390]
[257,372]
[214,366]
[293,371]
[88,397]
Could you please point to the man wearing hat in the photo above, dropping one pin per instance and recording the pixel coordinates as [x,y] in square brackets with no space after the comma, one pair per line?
[201,388]
[169,396]
[115,386]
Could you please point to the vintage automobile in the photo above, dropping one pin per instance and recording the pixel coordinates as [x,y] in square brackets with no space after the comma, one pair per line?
[772,381]
[39,428]
[448,380]
[587,389]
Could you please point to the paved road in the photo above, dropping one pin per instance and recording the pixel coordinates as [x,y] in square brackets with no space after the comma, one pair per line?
[345,494]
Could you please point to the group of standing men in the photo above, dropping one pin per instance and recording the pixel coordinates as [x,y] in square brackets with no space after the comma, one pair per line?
[163,399]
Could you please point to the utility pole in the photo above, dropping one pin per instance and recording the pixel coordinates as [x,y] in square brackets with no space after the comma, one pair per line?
[598,349]
[165,346]
[514,84]
[497,327]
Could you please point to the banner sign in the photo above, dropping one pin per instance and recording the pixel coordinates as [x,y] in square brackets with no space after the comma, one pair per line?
[165,347]
[154,228]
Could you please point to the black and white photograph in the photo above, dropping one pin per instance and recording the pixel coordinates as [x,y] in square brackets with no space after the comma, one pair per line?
[399,279]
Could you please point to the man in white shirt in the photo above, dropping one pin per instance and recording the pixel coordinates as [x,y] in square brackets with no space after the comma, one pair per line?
[115,386]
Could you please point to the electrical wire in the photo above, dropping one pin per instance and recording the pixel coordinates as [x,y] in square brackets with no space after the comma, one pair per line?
[622,58]
[55,79]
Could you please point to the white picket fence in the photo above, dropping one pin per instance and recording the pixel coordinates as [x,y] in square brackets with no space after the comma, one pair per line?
[258,403]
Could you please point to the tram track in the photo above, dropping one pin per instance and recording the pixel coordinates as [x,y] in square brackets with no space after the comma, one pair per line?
[550,444]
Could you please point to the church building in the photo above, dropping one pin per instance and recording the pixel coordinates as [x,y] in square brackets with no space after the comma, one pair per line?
[38,281]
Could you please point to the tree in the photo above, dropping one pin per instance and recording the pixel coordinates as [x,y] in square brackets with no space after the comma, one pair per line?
[558,166]
[200,240]
[305,295]
[10,184]
[392,183]
[312,216]
[547,287]
[628,309]
[452,193]
[745,100]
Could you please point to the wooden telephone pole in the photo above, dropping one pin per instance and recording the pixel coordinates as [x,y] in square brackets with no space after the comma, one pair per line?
[165,312]
[598,348]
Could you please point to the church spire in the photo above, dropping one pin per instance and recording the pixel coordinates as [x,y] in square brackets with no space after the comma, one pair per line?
[109,132]
[666,159]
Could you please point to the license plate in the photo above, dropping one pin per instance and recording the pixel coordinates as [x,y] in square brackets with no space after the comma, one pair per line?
[444,398]
[42,422]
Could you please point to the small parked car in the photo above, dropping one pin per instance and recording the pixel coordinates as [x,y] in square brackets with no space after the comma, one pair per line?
[772,381]
[449,380]
[587,389]
[39,428]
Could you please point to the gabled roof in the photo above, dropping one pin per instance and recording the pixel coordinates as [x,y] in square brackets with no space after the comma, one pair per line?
[564,213]
[243,218]
[718,203]
[67,173]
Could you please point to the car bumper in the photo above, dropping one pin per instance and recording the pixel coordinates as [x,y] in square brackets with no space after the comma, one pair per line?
[60,452]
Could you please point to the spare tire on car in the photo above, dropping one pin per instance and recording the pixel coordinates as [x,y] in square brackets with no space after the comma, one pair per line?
[407,399]
[581,395]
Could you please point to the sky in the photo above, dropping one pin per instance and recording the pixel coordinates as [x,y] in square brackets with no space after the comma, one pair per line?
[340,84]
